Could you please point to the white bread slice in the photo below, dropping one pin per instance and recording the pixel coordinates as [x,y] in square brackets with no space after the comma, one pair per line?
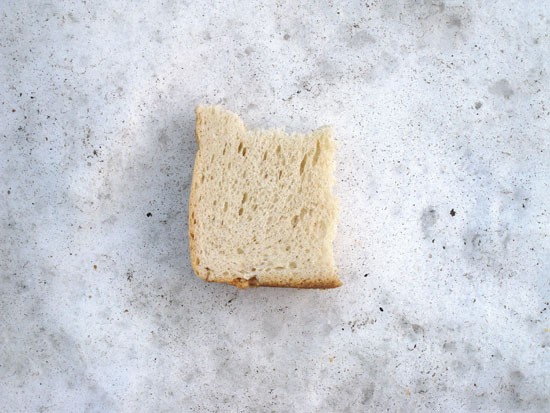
[261,210]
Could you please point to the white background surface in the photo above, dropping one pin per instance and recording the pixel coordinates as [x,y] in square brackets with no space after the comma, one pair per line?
[437,105]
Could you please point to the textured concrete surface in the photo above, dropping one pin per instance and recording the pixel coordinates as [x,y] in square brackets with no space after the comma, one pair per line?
[441,109]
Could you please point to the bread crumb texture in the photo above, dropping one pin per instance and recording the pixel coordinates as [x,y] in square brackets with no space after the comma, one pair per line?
[261,211]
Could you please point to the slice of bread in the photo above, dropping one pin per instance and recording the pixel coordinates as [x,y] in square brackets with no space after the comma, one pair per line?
[261,210]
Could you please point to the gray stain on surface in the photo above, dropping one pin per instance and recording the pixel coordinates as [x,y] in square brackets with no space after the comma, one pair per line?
[502,88]
[428,219]
[360,39]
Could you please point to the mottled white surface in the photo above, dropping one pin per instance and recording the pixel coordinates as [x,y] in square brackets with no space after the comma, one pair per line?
[438,106]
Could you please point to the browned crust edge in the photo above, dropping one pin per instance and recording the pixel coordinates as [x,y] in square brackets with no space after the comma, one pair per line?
[243,283]
[193,203]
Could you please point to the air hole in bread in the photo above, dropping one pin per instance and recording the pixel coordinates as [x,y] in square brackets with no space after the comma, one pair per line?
[303,164]
[212,159]
[229,165]
[280,173]
[239,251]
[294,221]
[215,202]
[202,179]
[240,147]
[317,153]
[265,155]
[278,149]
[244,151]
[279,268]
[225,207]
[240,211]
[292,265]
[245,195]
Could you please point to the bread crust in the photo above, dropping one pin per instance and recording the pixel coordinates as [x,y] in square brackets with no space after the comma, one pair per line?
[325,284]
[243,283]
[266,280]
[191,223]
[193,203]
